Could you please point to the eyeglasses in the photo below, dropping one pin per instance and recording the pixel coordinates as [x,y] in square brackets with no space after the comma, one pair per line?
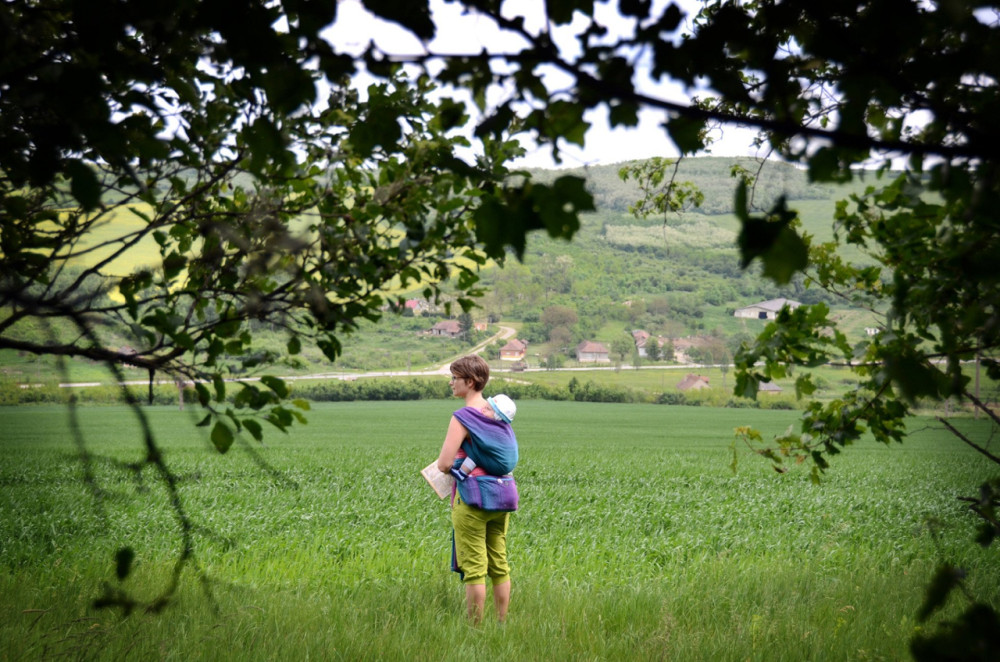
[453,378]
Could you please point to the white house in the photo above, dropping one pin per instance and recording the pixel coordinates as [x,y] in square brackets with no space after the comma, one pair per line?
[642,342]
[766,310]
[449,328]
[641,338]
[590,351]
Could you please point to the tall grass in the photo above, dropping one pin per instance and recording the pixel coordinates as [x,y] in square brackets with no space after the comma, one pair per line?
[634,540]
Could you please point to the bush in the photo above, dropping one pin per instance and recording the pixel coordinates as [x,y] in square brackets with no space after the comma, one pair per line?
[522,391]
[591,392]
[743,403]
[671,398]
[336,390]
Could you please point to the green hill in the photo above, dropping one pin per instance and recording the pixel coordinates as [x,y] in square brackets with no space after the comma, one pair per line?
[676,276]
[712,175]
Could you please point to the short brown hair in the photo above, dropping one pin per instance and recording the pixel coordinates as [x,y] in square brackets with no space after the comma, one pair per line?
[474,368]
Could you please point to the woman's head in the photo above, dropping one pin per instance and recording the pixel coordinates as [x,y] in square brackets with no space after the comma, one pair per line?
[474,369]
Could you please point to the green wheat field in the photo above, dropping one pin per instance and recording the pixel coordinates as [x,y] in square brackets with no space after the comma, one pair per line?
[635,539]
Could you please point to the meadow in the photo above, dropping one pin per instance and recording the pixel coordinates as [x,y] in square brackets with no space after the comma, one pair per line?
[635,539]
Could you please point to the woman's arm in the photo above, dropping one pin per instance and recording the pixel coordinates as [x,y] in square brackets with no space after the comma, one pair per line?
[452,441]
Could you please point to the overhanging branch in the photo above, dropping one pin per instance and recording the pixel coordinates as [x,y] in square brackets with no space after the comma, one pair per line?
[993,458]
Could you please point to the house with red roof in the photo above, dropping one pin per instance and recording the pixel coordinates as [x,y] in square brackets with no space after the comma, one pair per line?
[591,351]
[447,328]
[514,350]
[693,382]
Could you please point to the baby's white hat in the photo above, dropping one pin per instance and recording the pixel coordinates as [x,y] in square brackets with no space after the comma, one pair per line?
[503,407]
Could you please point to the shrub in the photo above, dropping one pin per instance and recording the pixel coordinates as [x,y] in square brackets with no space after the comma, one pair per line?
[671,398]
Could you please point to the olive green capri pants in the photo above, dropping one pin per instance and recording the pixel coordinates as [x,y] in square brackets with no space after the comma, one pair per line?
[480,543]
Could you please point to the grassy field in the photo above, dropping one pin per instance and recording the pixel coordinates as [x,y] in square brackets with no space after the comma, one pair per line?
[634,540]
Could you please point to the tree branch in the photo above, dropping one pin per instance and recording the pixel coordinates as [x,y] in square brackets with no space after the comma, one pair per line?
[977,447]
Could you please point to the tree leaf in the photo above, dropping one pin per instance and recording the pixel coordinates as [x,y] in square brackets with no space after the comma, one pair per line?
[687,134]
[275,384]
[266,143]
[204,395]
[770,238]
[788,255]
[222,437]
[220,387]
[254,428]
[84,185]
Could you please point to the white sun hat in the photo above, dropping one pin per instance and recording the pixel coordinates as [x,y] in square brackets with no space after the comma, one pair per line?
[503,407]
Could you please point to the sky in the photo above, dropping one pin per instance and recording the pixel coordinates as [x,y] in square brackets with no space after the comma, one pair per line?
[468,34]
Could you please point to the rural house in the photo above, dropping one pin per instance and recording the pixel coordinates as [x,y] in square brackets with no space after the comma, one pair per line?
[448,328]
[766,310]
[642,340]
[590,351]
[693,382]
[513,350]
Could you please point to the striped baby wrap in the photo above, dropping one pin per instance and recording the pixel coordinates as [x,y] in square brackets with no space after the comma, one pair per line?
[491,443]
[493,447]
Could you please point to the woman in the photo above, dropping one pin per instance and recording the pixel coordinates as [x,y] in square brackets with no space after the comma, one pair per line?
[480,521]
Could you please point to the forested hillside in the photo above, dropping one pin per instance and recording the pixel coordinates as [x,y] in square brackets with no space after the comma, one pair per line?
[675,277]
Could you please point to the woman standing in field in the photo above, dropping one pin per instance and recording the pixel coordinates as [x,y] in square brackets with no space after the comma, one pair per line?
[482,502]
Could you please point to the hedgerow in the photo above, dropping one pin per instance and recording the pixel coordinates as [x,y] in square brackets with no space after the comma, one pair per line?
[382,389]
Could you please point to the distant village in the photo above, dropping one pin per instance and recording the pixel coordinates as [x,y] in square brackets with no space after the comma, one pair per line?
[515,351]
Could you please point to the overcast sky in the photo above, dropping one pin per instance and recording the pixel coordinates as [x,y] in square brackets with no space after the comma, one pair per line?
[458,34]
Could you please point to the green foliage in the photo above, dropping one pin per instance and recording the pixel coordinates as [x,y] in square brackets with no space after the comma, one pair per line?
[657,197]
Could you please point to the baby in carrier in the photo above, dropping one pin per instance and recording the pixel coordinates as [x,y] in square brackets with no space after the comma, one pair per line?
[500,407]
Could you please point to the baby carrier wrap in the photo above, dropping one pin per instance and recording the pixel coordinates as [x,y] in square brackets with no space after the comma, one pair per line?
[493,447]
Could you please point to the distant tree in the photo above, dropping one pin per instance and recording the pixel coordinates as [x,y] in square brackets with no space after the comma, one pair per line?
[635,311]
[493,351]
[466,325]
[621,347]
[554,361]
[658,305]
[556,275]
[724,361]
[653,351]
[555,316]
[561,336]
